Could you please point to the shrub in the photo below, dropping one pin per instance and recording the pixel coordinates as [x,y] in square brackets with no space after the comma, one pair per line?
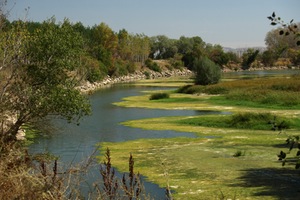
[161,95]
[239,153]
[131,68]
[191,89]
[147,74]
[93,75]
[258,121]
[207,72]
[215,89]
[152,65]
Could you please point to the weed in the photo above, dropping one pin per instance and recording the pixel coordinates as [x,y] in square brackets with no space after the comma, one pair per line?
[282,92]
[239,153]
[157,96]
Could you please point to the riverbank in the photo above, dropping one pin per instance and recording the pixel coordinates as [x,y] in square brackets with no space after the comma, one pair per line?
[89,87]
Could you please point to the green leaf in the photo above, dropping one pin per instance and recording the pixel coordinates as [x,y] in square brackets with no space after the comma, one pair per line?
[270,18]
[273,14]
[281,32]
[273,23]
[298,43]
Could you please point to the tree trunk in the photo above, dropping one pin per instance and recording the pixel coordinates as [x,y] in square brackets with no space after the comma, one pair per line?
[10,135]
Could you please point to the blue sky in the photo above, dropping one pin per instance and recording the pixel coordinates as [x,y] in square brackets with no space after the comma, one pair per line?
[230,23]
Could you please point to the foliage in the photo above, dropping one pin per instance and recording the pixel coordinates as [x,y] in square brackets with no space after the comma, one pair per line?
[293,142]
[268,58]
[239,153]
[260,92]
[247,120]
[130,186]
[162,47]
[152,65]
[218,56]
[207,72]
[287,28]
[157,96]
[209,89]
[248,58]
[39,83]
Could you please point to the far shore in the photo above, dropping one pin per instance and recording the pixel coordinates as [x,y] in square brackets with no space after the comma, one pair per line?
[89,88]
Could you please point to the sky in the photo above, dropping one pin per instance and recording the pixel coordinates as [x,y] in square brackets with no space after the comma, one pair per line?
[230,23]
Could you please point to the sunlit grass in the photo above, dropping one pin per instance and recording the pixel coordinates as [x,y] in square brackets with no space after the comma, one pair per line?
[206,167]
[278,93]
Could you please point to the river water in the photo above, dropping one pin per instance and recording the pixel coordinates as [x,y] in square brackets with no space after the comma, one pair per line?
[73,143]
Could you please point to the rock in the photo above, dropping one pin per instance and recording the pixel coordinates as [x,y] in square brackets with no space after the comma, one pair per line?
[88,87]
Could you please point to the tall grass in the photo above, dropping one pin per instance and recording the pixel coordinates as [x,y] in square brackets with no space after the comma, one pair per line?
[24,176]
[160,95]
[284,92]
[248,120]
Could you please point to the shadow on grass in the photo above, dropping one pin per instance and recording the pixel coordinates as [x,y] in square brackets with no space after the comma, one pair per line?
[280,183]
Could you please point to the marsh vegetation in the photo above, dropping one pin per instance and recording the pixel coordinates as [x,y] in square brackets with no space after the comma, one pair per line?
[233,156]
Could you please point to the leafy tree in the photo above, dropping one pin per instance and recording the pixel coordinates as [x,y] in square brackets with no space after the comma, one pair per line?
[286,29]
[185,45]
[162,47]
[279,44]
[197,50]
[217,55]
[233,57]
[294,55]
[39,68]
[104,46]
[207,72]
[249,57]
[268,58]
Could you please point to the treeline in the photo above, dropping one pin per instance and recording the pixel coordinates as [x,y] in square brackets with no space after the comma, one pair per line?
[105,52]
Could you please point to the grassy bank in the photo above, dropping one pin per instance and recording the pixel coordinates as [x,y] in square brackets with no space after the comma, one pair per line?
[227,160]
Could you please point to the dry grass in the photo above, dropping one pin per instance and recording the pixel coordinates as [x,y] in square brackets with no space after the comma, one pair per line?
[19,180]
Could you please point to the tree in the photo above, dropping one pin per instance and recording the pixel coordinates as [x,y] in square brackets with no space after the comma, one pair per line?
[268,58]
[249,57]
[38,70]
[162,47]
[207,72]
[217,55]
[279,44]
[193,48]
[286,29]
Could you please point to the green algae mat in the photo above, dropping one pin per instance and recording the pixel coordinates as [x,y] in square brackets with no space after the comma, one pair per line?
[221,162]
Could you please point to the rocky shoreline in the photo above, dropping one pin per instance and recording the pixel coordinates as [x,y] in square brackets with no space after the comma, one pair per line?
[89,87]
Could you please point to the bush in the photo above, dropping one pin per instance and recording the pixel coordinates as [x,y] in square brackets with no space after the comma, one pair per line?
[147,74]
[160,95]
[257,121]
[93,75]
[239,153]
[207,72]
[152,65]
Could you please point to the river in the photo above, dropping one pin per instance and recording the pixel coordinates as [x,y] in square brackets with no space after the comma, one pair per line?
[73,143]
